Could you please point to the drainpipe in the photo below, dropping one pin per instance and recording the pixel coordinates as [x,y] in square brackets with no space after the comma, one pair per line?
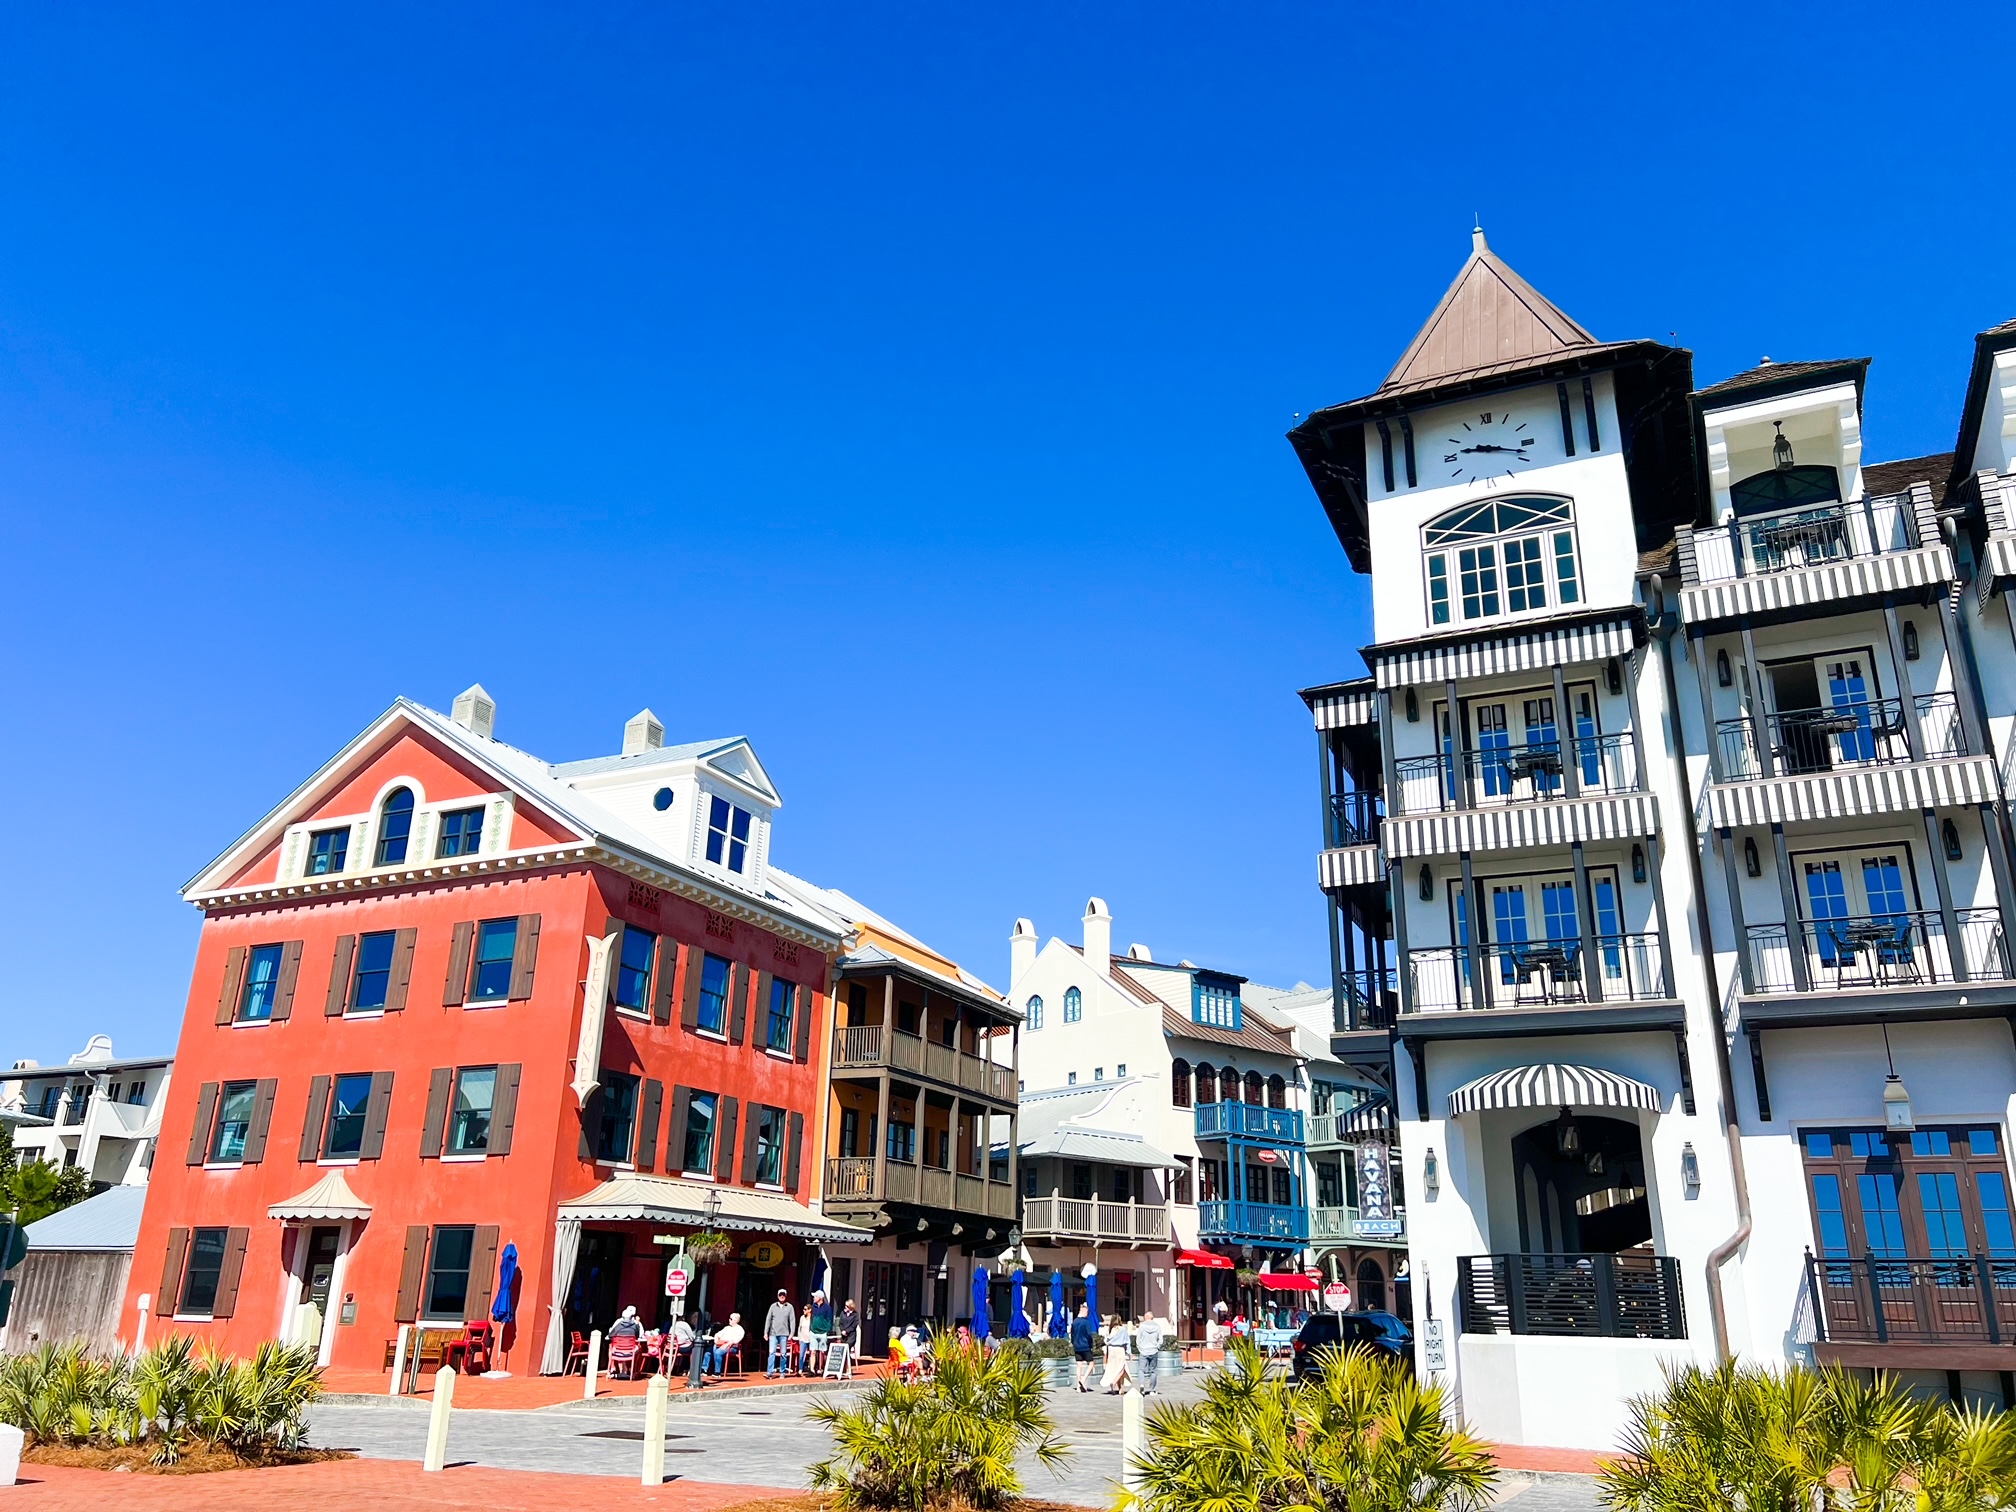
[1720,1256]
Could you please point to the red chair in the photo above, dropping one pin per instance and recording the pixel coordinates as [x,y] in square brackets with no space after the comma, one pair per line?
[474,1351]
[577,1354]
[623,1356]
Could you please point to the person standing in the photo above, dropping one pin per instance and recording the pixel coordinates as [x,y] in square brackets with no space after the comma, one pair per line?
[1083,1332]
[847,1331]
[778,1323]
[822,1332]
[1119,1343]
[1148,1338]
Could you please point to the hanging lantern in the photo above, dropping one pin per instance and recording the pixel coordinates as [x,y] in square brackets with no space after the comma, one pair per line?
[1427,884]
[1724,674]
[1781,449]
[1567,1138]
[1910,640]
[1952,838]
[1637,863]
[1751,863]
[1413,708]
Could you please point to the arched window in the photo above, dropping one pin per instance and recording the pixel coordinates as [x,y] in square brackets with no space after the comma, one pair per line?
[1277,1092]
[395,826]
[1785,488]
[1074,1005]
[1228,1085]
[1179,1084]
[1256,1088]
[1371,1287]
[1207,1083]
[1503,556]
[1035,1013]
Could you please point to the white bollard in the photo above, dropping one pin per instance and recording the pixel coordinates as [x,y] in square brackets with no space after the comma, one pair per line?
[1133,1439]
[437,1419]
[140,1328]
[11,1440]
[592,1367]
[399,1360]
[656,1400]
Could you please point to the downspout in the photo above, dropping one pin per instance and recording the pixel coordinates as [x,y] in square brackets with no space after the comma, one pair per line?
[1662,630]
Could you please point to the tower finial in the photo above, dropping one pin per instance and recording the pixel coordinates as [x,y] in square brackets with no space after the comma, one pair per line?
[1477,242]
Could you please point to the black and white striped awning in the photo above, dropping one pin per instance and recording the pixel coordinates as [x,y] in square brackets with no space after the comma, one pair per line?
[1413,663]
[1819,797]
[1830,583]
[1553,1086]
[1343,704]
[1372,1117]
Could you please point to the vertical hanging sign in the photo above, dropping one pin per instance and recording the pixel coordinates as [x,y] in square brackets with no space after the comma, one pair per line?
[1376,1219]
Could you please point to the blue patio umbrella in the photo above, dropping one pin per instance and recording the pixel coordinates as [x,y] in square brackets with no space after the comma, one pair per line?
[1092,1294]
[1059,1324]
[505,1307]
[982,1324]
[1018,1314]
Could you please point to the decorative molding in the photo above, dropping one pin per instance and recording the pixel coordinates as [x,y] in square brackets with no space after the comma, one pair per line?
[1557,822]
[1831,584]
[1957,782]
[1351,866]
[594,1014]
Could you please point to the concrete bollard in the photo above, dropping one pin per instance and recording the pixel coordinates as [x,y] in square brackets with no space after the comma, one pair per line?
[11,1440]
[1133,1439]
[399,1360]
[140,1326]
[593,1366]
[656,1400]
[437,1419]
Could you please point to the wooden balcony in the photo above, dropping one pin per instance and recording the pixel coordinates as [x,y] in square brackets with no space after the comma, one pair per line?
[851,1179]
[868,1049]
[1075,1220]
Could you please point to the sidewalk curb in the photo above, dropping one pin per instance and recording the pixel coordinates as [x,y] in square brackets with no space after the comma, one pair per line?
[603,1403]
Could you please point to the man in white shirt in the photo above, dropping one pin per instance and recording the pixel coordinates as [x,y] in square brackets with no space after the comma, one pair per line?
[726,1337]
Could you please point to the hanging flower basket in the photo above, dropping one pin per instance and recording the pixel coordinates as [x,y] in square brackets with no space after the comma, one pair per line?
[709,1247]
[1245,1277]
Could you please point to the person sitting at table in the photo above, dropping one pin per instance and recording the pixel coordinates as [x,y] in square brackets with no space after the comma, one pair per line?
[678,1339]
[727,1337]
[627,1326]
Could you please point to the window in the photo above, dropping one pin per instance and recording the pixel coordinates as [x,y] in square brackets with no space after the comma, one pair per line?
[1179,1084]
[1098,1073]
[1509,555]
[783,1010]
[1070,1078]
[1121,1069]
[235,1101]
[374,972]
[850,1133]
[1081,1183]
[1029,1179]
[1215,1003]
[617,1117]
[698,1156]
[902,1141]
[448,1271]
[137,1092]
[327,851]
[769,1146]
[1228,1084]
[205,1267]
[727,834]
[1074,1005]
[1329,1183]
[633,969]
[469,1115]
[461,833]
[349,1101]
[1277,1092]
[395,827]
[713,994]
[496,947]
[1207,1083]
[1121,1184]
[1035,1014]
[1256,1088]
[262,984]
[1182,1188]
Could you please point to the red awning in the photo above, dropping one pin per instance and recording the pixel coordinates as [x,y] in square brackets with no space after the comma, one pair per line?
[1287,1281]
[1203,1260]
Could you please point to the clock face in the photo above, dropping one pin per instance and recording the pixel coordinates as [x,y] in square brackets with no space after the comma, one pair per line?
[1490,444]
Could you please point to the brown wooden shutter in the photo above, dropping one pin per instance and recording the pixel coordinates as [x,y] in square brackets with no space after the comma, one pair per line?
[290,977]
[675,1131]
[171,1274]
[749,1141]
[645,1152]
[724,1139]
[311,1125]
[794,1140]
[377,1113]
[525,957]
[802,1026]
[339,977]
[738,1003]
[591,1123]
[435,1127]
[662,973]
[234,983]
[762,1006]
[402,969]
[412,1271]
[482,1275]
[689,996]
[262,1118]
[206,1115]
[504,1109]
[456,990]
[235,1241]
[612,925]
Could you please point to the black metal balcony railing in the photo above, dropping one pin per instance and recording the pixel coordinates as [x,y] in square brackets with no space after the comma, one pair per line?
[1880,950]
[1631,968]
[1855,733]
[1495,775]
[1627,1296]
[1354,819]
[1805,538]
[1968,1299]
[1366,1000]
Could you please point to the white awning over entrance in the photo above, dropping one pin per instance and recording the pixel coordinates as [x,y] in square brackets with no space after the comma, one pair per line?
[632,1198]
[329,1199]
[1553,1086]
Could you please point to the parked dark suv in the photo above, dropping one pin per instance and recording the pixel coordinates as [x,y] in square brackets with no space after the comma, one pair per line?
[1381,1332]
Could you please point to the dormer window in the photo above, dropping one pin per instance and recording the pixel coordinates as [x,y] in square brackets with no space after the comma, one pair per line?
[1503,556]
[395,827]
[1216,1004]
[327,851]
[727,834]
[461,833]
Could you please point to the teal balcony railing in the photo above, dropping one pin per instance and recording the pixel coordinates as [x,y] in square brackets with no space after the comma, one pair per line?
[1263,1222]
[1219,1120]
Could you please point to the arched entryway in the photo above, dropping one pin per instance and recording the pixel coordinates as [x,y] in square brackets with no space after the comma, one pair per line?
[1368,1288]
[1581,1186]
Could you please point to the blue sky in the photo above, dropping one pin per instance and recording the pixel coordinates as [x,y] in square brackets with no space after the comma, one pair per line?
[901,387]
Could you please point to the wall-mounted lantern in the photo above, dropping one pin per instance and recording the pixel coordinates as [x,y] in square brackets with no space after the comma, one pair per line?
[1614,672]
[1413,708]
[1910,640]
[1638,863]
[1725,675]
[1951,836]
[1752,863]
[1431,1173]
[1427,884]
[1690,1167]
[1781,449]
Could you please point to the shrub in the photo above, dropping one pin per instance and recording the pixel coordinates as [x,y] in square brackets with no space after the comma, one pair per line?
[1361,1436]
[950,1441]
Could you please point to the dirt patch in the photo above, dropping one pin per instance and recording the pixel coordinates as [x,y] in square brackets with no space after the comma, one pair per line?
[138,1459]
[823,1501]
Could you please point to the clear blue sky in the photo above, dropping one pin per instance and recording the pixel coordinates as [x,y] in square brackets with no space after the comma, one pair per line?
[903,388]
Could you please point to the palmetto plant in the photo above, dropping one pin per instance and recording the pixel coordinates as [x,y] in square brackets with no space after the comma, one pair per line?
[1360,1436]
[1742,1439]
[949,1441]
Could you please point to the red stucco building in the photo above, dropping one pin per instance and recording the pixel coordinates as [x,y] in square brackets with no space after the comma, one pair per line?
[450,998]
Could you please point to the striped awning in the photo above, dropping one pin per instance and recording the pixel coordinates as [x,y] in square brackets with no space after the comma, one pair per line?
[1342,704]
[1373,1116]
[1401,664]
[1553,1086]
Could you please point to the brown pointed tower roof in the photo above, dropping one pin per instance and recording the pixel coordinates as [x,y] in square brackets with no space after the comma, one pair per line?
[1490,317]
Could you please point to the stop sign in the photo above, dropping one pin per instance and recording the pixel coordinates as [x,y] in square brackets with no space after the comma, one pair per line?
[1337,1296]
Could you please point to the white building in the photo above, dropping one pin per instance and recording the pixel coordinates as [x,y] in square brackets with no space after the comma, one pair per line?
[1657,670]
[99,1112]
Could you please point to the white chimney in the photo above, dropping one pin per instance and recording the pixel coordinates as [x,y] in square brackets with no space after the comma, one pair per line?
[1139,952]
[1021,952]
[1099,937]
[643,733]
[476,711]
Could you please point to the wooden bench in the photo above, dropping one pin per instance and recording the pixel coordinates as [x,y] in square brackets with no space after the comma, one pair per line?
[432,1343]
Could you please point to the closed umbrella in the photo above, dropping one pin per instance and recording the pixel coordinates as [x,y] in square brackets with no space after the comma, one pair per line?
[505,1307]
[1018,1316]
[1059,1324]
[1092,1293]
[981,1322]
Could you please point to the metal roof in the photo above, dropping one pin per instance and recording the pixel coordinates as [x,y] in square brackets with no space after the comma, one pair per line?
[1489,318]
[109,1221]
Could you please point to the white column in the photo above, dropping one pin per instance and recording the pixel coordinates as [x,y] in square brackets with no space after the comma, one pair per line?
[437,1419]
